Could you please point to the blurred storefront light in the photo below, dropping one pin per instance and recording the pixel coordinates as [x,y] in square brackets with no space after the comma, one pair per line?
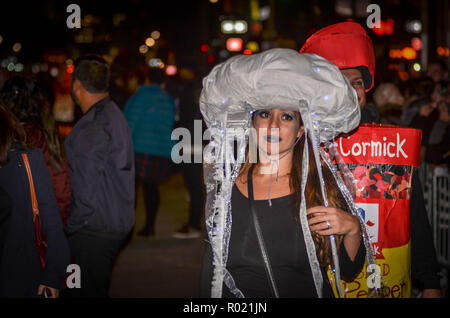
[395,53]
[156,62]
[240,26]
[70,69]
[234,44]
[171,70]
[204,47]
[386,27]
[150,42]
[155,34]
[143,49]
[409,53]
[227,26]
[18,67]
[413,26]
[230,26]
[416,43]
[443,51]
[54,71]
[17,47]
[253,46]
[264,13]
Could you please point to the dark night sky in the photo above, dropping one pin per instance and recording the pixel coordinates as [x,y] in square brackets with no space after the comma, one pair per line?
[42,24]
[184,24]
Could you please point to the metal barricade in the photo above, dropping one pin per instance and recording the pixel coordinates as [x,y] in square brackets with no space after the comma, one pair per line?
[436,186]
[441,211]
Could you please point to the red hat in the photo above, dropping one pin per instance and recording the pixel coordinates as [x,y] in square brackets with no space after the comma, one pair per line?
[346,45]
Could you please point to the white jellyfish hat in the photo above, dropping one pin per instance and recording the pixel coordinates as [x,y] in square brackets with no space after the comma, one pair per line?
[277,78]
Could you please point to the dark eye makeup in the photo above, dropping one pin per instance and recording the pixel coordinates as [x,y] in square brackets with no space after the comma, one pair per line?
[265,113]
[289,116]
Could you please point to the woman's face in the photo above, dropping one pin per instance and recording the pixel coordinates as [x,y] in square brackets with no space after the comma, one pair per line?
[277,130]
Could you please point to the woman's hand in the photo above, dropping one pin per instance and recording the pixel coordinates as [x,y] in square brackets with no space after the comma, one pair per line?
[329,221]
[54,293]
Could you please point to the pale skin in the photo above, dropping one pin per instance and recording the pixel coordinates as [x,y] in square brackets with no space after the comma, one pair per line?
[356,80]
[288,125]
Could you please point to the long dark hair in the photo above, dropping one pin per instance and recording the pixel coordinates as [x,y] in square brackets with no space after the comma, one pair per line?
[314,197]
[27,100]
[11,131]
[313,194]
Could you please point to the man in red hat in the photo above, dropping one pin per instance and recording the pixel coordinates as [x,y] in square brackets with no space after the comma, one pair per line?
[348,46]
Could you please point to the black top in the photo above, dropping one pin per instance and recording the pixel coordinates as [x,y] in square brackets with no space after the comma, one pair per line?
[286,249]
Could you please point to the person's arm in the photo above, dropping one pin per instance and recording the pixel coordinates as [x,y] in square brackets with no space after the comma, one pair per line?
[334,221]
[88,160]
[424,265]
[57,254]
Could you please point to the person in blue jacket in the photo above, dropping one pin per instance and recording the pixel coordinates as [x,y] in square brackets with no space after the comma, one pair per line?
[150,114]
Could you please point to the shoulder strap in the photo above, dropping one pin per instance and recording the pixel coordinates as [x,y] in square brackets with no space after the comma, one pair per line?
[34,202]
[262,246]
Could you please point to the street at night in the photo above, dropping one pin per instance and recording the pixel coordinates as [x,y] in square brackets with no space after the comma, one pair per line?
[185,150]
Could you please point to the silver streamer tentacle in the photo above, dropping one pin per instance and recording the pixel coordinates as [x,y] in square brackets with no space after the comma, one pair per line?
[221,164]
[310,246]
[316,146]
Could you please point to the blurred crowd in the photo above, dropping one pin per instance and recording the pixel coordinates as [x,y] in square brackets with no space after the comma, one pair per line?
[422,103]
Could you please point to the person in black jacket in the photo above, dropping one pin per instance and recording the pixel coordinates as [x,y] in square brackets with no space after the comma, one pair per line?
[101,160]
[21,274]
